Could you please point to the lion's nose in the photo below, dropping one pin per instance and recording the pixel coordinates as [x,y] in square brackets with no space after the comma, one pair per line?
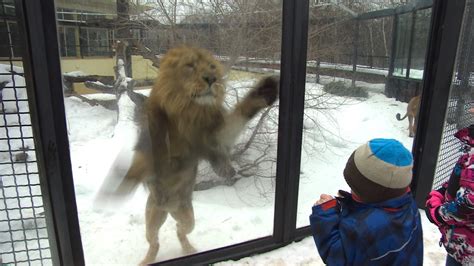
[209,79]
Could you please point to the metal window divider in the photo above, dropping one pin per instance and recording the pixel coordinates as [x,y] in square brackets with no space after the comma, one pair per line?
[45,95]
[446,22]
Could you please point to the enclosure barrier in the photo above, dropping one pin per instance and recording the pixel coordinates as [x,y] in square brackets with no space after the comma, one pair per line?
[38,215]
[24,235]
[461,99]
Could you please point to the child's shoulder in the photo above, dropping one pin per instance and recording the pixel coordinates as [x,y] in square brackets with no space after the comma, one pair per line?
[379,215]
[364,216]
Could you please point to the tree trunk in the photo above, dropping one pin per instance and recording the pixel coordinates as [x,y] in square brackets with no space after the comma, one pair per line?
[123,32]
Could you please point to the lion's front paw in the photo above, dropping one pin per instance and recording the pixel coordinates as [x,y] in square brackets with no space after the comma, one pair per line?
[262,95]
[224,169]
[267,89]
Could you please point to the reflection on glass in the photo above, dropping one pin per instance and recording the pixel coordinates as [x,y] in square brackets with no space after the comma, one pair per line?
[402,45]
[420,43]
[170,146]
[67,41]
[340,117]
[94,41]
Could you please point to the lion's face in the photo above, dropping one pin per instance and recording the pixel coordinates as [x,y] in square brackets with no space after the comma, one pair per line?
[197,76]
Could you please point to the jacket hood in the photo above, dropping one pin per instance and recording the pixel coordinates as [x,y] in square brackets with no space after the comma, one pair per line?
[393,204]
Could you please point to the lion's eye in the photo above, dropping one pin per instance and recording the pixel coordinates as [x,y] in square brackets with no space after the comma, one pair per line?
[212,66]
[190,65]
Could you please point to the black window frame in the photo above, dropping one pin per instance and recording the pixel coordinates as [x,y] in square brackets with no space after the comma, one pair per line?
[43,74]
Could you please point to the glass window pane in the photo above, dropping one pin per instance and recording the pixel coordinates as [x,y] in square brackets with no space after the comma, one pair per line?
[61,37]
[216,173]
[402,45]
[420,43]
[71,41]
[343,109]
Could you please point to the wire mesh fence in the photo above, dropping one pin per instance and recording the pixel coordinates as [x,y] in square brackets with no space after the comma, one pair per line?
[461,100]
[23,229]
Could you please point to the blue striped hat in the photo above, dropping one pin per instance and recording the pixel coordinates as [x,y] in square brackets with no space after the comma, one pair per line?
[379,170]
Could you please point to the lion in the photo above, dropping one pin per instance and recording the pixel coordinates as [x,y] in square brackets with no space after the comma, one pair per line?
[412,112]
[184,122]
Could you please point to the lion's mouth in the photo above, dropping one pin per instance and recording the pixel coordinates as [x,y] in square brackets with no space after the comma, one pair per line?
[207,93]
[205,98]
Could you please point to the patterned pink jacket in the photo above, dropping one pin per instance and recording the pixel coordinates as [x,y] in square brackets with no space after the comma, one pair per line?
[451,207]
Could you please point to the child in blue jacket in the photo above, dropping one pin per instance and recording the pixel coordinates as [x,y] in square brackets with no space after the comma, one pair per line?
[378,223]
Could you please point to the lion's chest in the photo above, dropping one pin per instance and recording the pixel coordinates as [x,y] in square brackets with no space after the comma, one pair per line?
[193,136]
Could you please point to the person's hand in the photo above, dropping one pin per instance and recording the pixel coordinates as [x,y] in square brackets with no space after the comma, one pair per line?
[434,199]
[323,198]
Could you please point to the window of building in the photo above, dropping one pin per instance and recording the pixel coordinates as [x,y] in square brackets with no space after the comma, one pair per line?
[7,7]
[95,42]
[68,41]
[65,14]
[10,46]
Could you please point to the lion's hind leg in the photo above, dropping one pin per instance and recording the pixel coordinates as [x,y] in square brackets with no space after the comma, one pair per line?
[154,218]
[411,127]
[184,217]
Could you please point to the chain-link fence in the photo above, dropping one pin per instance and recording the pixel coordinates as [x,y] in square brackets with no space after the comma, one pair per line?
[461,99]
[23,230]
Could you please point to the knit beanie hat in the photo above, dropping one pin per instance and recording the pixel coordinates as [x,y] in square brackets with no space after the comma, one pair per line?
[379,170]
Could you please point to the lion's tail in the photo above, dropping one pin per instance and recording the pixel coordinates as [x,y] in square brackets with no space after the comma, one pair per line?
[136,174]
[400,119]
[123,179]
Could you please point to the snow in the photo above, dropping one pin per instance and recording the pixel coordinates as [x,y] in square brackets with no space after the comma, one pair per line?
[414,73]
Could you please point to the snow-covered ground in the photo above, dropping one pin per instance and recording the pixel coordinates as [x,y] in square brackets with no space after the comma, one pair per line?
[333,127]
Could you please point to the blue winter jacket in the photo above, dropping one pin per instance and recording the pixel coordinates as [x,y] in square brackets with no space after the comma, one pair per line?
[348,232]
